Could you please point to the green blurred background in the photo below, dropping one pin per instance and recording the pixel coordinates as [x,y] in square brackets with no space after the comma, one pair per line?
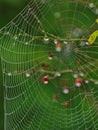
[8,10]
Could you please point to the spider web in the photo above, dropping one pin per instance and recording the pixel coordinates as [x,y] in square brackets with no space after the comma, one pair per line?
[26,42]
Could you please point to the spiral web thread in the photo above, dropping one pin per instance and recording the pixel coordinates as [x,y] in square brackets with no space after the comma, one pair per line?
[25,42]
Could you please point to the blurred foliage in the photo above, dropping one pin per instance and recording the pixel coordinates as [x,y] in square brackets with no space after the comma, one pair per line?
[9,9]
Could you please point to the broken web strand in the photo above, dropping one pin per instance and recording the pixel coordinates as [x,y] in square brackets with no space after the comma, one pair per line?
[61,121]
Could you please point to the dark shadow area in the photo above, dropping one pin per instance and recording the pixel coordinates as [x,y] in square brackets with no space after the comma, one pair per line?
[9,9]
